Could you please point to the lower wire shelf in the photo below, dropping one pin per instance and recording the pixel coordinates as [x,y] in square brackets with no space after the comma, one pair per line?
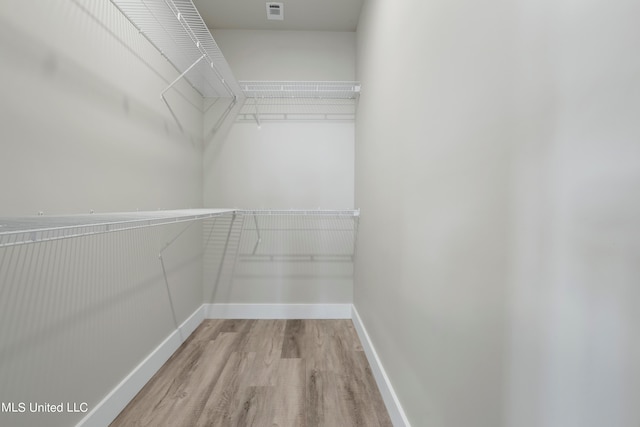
[16,231]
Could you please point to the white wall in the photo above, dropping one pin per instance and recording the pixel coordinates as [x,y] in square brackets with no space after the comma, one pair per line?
[282,165]
[82,127]
[498,256]
[433,135]
[575,303]
[288,55]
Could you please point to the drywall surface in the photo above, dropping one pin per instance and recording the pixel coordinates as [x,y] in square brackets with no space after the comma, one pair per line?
[433,138]
[281,165]
[574,356]
[498,253]
[82,127]
[288,55]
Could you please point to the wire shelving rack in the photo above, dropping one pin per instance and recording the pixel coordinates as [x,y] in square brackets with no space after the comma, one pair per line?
[177,30]
[15,231]
[299,100]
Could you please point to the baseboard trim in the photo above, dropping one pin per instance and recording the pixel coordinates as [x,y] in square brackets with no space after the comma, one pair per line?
[109,408]
[278,311]
[396,413]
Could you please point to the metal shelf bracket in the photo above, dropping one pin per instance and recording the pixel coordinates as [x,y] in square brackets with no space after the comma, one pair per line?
[184,73]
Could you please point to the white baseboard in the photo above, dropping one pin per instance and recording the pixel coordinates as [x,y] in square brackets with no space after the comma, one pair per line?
[278,311]
[396,413]
[109,408]
[190,325]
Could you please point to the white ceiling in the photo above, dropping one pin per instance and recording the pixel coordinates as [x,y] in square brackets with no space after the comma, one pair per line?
[309,15]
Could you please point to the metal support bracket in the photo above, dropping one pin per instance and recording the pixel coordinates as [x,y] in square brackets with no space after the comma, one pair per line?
[259,239]
[257,115]
[173,310]
[184,73]
[166,279]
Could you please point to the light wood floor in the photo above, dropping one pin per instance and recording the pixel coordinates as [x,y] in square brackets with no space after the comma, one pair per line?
[285,373]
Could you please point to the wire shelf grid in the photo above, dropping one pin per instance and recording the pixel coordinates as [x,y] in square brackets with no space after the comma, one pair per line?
[16,231]
[301,89]
[177,30]
[299,100]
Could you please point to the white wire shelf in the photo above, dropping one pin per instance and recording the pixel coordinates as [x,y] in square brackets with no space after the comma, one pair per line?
[301,100]
[301,89]
[16,231]
[300,212]
[283,244]
[177,30]
[297,235]
[37,229]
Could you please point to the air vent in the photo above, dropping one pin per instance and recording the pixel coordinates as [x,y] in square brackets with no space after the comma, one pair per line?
[275,11]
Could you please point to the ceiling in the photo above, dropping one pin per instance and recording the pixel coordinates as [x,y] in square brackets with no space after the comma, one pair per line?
[300,15]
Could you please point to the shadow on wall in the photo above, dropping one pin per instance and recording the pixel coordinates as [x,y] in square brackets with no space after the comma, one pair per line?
[35,61]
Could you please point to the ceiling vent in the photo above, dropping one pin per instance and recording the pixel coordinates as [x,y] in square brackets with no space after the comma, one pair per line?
[275,11]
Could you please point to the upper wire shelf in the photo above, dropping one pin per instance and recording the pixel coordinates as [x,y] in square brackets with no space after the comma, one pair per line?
[177,30]
[302,100]
[301,89]
[298,212]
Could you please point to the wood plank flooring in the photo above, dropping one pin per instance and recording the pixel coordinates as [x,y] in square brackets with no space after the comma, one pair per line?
[263,373]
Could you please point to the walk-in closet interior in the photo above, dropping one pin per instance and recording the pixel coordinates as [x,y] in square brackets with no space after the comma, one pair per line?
[319,213]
